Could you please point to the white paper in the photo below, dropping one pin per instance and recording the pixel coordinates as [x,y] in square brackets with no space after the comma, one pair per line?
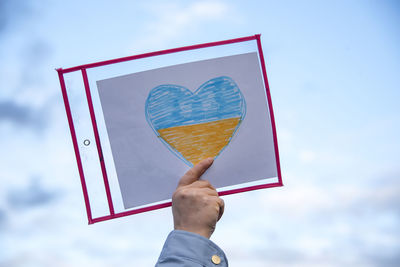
[148,164]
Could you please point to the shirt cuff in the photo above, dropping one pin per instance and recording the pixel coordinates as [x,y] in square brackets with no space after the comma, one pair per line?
[193,247]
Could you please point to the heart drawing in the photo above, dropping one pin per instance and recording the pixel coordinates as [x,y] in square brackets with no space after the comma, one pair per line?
[198,125]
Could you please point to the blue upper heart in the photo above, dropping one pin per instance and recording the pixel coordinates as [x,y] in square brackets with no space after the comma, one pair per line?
[173,105]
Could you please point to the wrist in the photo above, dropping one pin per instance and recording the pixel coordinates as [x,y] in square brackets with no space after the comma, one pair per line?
[200,231]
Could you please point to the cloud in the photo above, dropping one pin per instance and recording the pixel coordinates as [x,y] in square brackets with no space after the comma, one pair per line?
[308,223]
[26,98]
[24,95]
[172,20]
[11,11]
[307,156]
[21,115]
[35,194]
[3,218]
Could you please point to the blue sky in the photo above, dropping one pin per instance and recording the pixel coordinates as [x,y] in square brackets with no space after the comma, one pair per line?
[333,71]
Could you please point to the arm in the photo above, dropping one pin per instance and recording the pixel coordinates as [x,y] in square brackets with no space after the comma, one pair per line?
[196,208]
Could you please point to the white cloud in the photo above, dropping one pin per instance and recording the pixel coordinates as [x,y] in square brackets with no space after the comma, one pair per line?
[172,21]
[307,156]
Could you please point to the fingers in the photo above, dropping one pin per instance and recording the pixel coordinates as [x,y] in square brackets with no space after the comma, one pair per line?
[208,191]
[201,194]
[220,206]
[195,173]
[202,184]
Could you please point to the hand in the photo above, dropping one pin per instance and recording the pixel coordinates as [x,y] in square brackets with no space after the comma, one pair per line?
[196,206]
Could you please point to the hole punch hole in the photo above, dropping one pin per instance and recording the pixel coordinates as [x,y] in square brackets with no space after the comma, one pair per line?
[86,142]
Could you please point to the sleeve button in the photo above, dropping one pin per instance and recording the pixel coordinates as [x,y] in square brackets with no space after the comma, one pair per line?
[215,259]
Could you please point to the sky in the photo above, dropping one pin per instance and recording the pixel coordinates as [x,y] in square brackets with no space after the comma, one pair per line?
[333,70]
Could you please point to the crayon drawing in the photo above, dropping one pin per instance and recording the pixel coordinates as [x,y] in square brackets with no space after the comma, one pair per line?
[162,121]
[198,125]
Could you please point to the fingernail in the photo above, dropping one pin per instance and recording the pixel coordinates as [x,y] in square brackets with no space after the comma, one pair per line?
[210,160]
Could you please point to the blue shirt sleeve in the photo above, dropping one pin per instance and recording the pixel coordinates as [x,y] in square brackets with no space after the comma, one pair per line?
[186,249]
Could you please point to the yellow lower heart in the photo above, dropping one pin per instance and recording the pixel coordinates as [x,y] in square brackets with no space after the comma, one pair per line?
[196,142]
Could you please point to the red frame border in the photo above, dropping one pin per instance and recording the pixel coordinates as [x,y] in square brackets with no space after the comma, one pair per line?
[83,68]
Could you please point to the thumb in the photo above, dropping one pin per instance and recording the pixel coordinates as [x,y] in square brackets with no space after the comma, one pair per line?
[195,173]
